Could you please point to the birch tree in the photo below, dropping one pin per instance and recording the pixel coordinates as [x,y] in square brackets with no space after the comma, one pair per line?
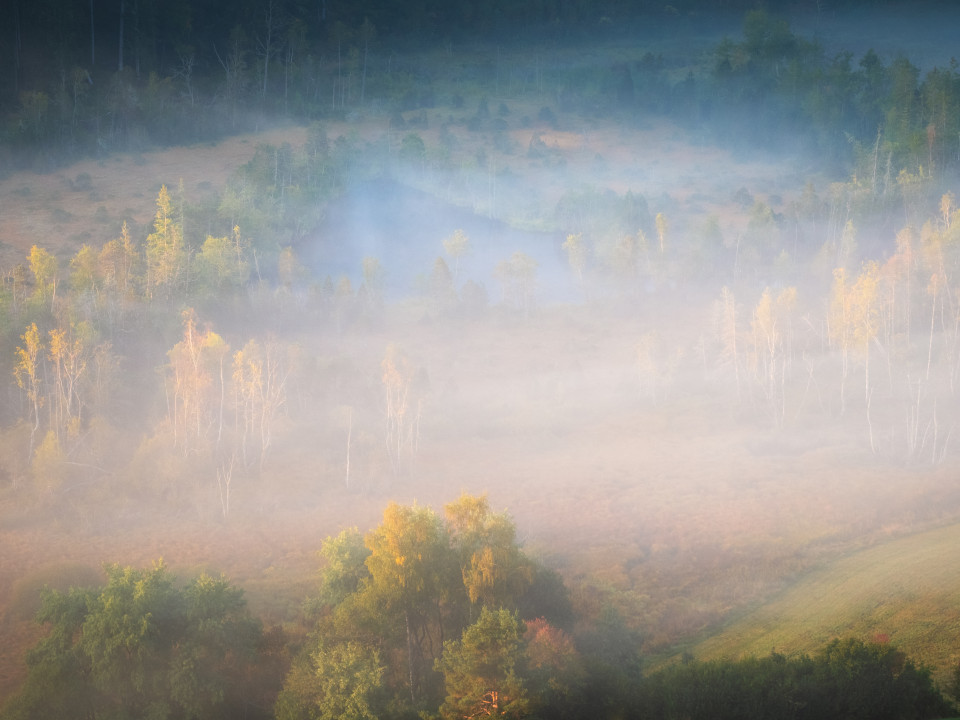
[840,327]
[457,246]
[576,256]
[771,332]
[494,569]
[69,351]
[402,408]
[118,263]
[188,387]
[661,222]
[27,372]
[865,318]
[43,265]
[260,373]
[197,387]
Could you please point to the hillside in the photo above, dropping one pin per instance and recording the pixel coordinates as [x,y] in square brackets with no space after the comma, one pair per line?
[906,590]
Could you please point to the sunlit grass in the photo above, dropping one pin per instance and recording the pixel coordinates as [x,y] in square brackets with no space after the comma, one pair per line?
[905,590]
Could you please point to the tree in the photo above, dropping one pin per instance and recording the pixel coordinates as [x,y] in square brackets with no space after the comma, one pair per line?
[140,647]
[345,556]
[554,668]
[840,328]
[190,390]
[58,682]
[625,260]
[220,638]
[47,465]
[368,34]
[222,263]
[371,291]
[339,33]
[896,290]
[336,681]
[865,320]
[729,332]
[85,273]
[457,246]
[234,68]
[661,222]
[411,582]
[118,262]
[27,372]
[482,672]
[401,405]
[290,271]
[260,374]
[410,565]
[495,571]
[43,265]
[165,251]
[873,680]
[443,293]
[576,255]
[271,25]
[518,278]
[771,332]
[69,351]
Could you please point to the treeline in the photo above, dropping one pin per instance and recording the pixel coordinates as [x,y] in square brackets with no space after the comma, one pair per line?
[423,616]
[137,74]
[886,116]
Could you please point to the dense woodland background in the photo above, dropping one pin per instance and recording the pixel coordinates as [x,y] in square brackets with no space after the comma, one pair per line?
[97,77]
[239,356]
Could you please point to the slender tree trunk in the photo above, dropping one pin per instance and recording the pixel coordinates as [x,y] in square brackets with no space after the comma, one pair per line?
[36,421]
[93,57]
[136,36]
[406,616]
[363,75]
[223,390]
[866,371]
[843,380]
[120,42]
[17,48]
[933,317]
[349,434]
[266,50]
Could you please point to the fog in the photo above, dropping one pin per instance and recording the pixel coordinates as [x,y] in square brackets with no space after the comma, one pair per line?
[404,228]
[700,338]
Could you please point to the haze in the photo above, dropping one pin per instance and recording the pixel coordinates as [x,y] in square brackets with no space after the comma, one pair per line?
[677,307]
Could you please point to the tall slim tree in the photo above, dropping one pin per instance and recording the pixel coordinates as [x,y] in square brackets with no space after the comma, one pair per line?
[27,372]
[165,251]
[43,265]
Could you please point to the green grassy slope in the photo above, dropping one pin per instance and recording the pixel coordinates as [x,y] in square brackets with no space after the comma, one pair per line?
[906,589]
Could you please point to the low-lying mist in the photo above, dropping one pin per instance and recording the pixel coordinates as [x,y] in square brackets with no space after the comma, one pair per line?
[692,361]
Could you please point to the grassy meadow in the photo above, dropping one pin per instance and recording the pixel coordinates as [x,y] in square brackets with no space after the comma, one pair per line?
[905,591]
